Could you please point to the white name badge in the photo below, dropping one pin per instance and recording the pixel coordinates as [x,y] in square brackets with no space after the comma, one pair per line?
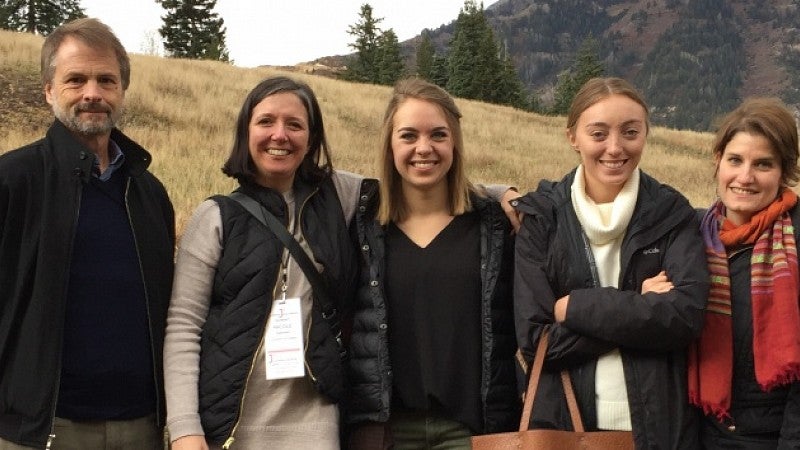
[283,342]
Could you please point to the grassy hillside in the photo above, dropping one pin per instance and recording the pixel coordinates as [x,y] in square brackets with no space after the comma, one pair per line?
[184,112]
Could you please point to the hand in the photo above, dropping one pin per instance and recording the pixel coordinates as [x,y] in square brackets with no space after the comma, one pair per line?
[658,284]
[513,215]
[189,443]
[560,309]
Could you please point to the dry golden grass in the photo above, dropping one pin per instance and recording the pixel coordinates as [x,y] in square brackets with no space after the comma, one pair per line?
[19,48]
[184,111]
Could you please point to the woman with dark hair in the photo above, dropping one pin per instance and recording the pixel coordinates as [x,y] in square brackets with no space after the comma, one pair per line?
[249,355]
[744,368]
[608,260]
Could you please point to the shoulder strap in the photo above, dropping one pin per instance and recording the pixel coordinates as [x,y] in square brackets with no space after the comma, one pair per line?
[328,310]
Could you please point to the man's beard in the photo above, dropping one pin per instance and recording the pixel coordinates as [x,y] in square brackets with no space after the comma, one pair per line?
[89,127]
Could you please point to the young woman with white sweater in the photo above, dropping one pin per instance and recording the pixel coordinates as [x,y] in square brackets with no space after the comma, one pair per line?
[609,260]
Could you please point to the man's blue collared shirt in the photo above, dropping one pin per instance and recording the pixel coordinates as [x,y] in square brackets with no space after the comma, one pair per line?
[117,160]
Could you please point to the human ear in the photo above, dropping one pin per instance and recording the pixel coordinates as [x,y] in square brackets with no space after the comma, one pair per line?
[571,138]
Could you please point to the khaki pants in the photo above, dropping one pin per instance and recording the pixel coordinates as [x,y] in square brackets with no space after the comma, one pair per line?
[135,434]
[421,431]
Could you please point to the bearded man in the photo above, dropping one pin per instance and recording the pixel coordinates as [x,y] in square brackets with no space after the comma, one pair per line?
[86,257]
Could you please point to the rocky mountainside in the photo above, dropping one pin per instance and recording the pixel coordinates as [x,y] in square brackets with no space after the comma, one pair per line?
[693,59]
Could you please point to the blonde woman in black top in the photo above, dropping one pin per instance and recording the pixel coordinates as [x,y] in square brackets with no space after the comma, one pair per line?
[433,336]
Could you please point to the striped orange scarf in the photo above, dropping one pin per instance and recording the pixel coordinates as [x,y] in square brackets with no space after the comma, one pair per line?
[774,296]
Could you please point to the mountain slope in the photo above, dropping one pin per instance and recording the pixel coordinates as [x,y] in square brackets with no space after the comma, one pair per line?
[694,59]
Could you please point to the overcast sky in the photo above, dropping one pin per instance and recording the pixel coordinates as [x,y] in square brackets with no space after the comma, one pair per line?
[279,32]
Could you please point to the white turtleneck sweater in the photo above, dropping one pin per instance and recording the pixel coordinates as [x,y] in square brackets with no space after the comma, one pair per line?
[605,225]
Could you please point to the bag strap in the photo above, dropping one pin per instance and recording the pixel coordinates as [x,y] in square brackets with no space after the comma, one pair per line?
[328,310]
[533,384]
[572,402]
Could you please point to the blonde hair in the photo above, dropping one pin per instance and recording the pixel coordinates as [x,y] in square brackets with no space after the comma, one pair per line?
[392,207]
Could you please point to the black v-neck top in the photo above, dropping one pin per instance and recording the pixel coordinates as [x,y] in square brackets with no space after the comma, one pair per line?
[434,312]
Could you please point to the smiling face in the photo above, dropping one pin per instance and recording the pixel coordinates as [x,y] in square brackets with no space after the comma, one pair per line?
[748,176]
[422,145]
[278,139]
[86,91]
[610,137]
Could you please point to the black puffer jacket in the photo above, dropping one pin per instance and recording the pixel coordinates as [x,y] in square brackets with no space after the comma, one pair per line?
[244,286]
[651,330]
[761,419]
[370,373]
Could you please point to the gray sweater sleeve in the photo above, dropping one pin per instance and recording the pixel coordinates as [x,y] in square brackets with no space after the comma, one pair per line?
[348,186]
[198,253]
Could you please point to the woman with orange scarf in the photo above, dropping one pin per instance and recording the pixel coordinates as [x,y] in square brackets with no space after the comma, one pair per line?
[744,368]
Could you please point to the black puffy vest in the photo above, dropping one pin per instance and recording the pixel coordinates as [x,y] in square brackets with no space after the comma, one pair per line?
[244,286]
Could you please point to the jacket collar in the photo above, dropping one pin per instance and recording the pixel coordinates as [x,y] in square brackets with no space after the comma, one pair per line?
[480,203]
[274,201]
[659,206]
[71,153]
[656,205]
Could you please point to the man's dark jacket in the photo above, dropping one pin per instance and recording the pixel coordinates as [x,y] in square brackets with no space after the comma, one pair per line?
[245,283]
[652,330]
[40,194]
[369,371]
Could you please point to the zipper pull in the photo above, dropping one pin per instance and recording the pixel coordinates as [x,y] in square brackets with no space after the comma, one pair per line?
[228,443]
[284,286]
[50,439]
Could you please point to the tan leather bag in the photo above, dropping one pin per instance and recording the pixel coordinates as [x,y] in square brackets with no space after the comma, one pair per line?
[542,439]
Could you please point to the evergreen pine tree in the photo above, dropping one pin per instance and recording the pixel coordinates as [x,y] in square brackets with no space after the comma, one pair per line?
[38,16]
[564,93]
[463,65]
[390,62]
[439,71]
[5,15]
[488,74]
[476,69]
[587,65]
[509,87]
[364,66]
[193,30]
[425,56]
